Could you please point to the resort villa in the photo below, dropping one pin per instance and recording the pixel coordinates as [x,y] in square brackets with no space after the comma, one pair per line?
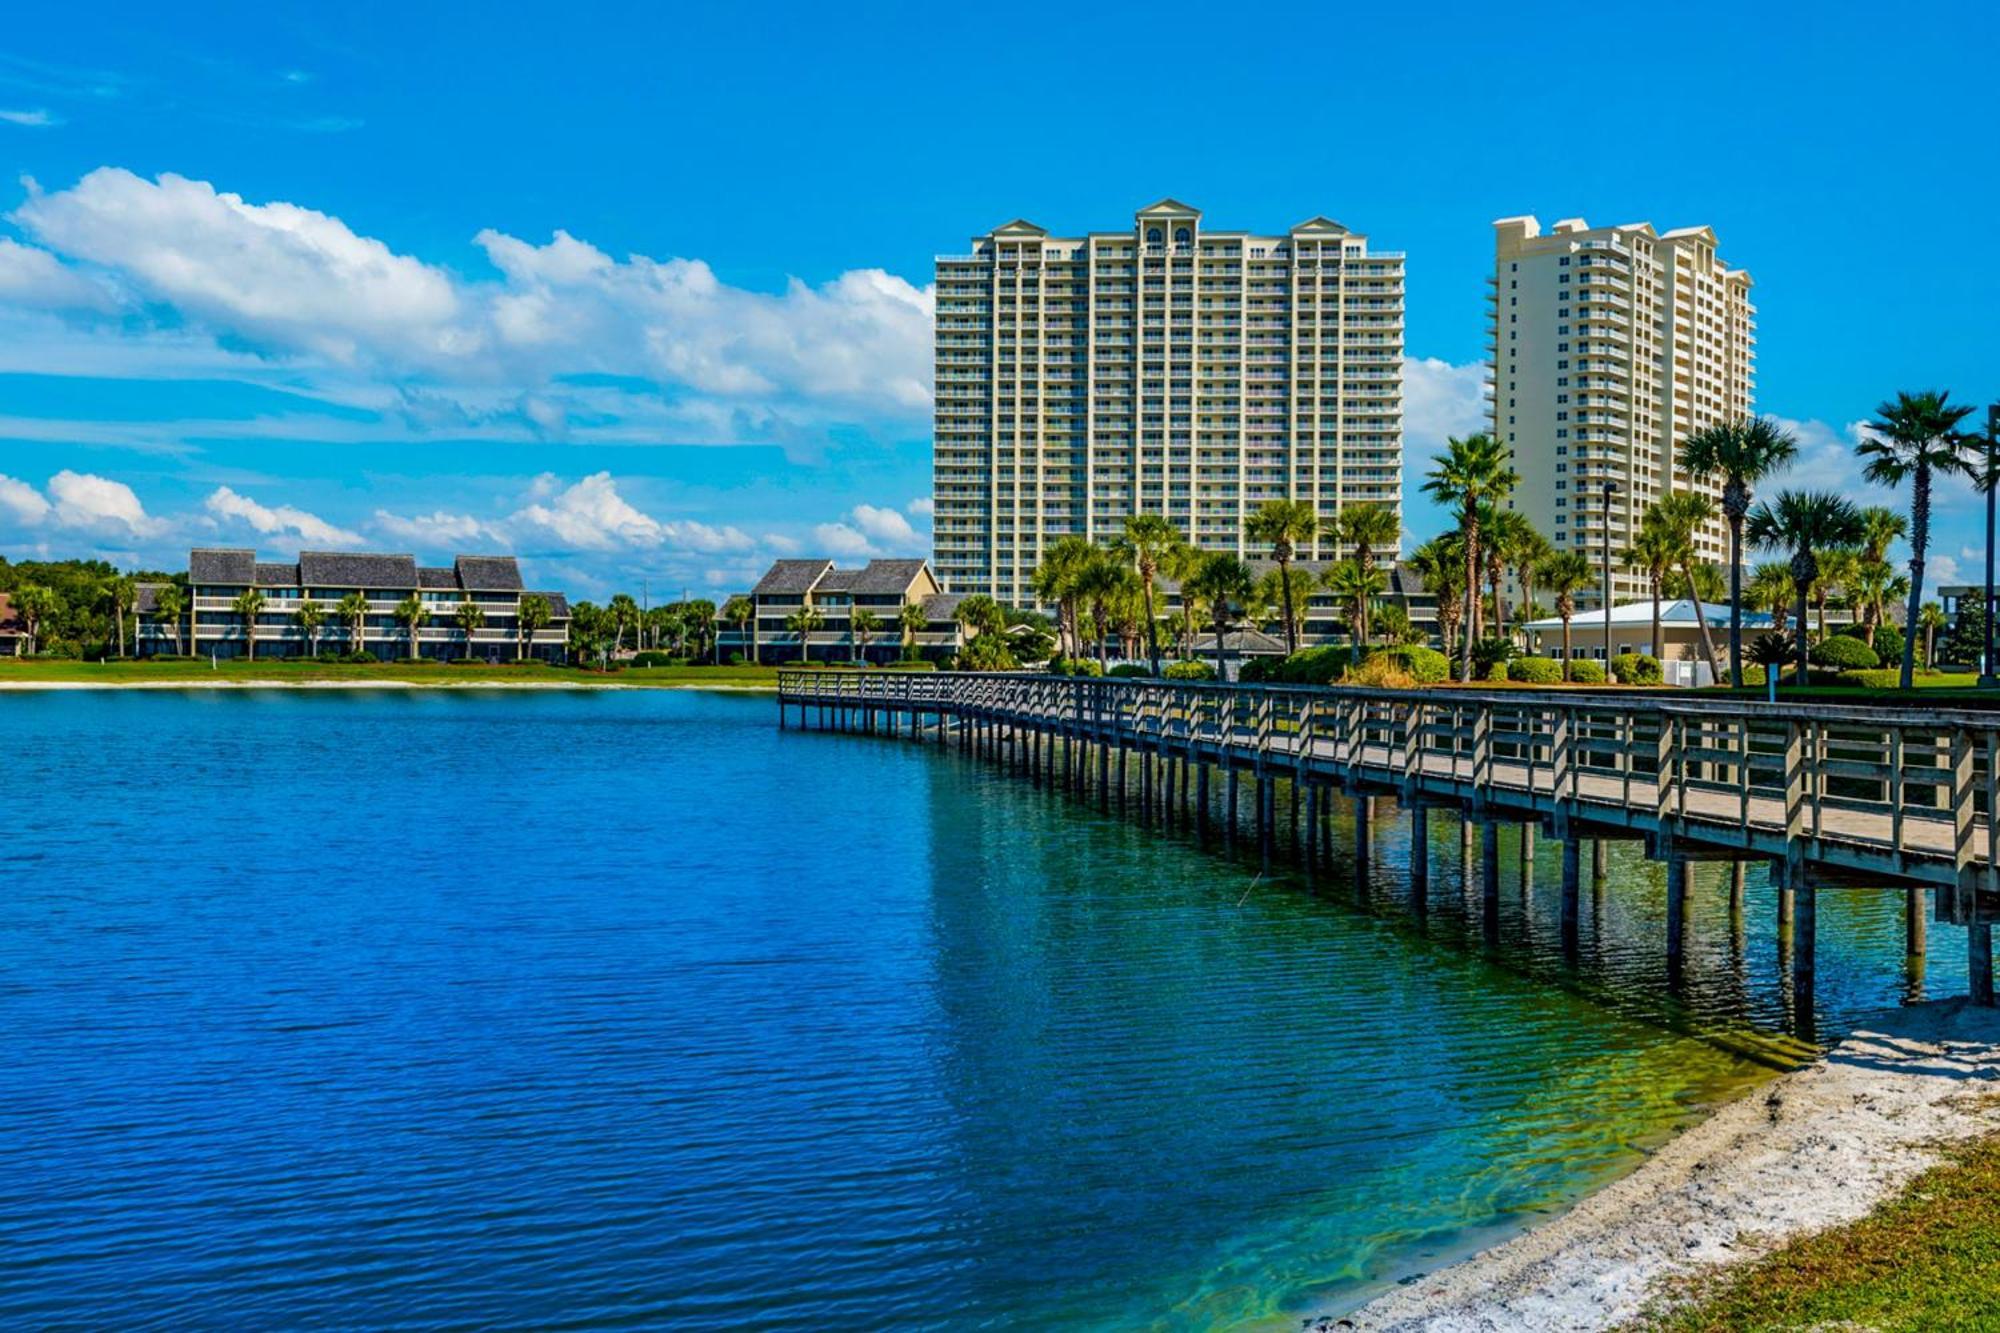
[882,588]
[342,601]
[13,629]
[1632,632]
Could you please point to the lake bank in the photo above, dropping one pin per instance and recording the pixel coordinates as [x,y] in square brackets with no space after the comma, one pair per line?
[1818,1148]
[134,675]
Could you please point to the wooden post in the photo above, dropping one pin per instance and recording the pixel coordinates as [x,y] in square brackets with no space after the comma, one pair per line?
[1361,829]
[1267,818]
[1597,860]
[1489,876]
[1230,817]
[1201,801]
[1420,858]
[1805,933]
[1572,876]
[1737,874]
[1527,845]
[1312,831]
[1677,902]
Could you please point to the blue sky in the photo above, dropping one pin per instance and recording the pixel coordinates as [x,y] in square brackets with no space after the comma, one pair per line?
[642,291]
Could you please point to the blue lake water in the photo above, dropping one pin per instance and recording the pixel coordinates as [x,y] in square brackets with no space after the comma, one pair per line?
[625,1009]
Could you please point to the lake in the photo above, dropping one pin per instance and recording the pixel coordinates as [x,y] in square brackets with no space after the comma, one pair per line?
[624,1008]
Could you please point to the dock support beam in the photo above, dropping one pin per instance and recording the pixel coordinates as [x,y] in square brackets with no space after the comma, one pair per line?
[1361,813]
[1572,890]
[1916,924]
[1805,938]
[1489,876]
[1420,858]
[1979,961]
[1677,903]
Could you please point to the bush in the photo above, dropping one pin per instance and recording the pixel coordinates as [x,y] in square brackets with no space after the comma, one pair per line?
[1128,671]
[1637,669]
[1752,674]
[1074,666]
[738,659]
[1382,671]
[1888,643]
[1843,654]
[916,664]
[1424,666]
[1190,671]
[359,657]
[1586,671]
[1535,670]
[1314,666]
[1258,670]
[1490,652]
[656,659]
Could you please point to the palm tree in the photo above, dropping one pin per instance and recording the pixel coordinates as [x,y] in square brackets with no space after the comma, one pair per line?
[1931,619]
[1469,473]
[1507,535]
[1652,554]
[411,613]
[1288,588]
[1872,586]
[1284,526]
[1368,526]
[1771,590]
[169,605]
[805,622]
[468,615]
[1565,572]
[1356,589]
[1526,551]
[310,615]
[1838,569]
[353,608]
[121,594]
[625,615]
[531,619]
[739,611]
[862,624]
[1683,514]
[912,621]
[1916,436]
[1805,523]
[1769,651]
[1881,528]
[1743,453]
[249,604]
[1223,583]
[1097,588]
[36,603]
[1054,583]
[1147,542]
[1440,565]
[1391,624]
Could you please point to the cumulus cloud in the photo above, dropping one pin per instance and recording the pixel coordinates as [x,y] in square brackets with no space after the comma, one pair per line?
[433,531]
[867,531]
[31,277]
[36,118]
[22,503]
[1441,400]
[297,282]
[884,525]
[591,515]
[840,540]
[923,505]
[81,501]
[271,520]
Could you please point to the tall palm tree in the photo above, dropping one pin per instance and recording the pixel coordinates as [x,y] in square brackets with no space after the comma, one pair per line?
[1931,619]
[249,604]
[1742,453]
[1651,554]
[1507,535]
[1440,564]
[625,614]
[1881,528]
[468,615]
[1099,585]
[1284,526]
[1223,583]
[531,619]
[1565,572]
[1916,436]
[1873,585]
[37,604]
[739,611]
[1683,514]
[411,613]
[169,605]
[1054,584]
[353,608]
[309,616]
[1805,523]
[120,594]
[1771,590]
[1148,541]
[1470,472]
[1356,589]
[862,624]
[1838,569]
[805,622]
[1281,588]
[912,621]
[1369,527]
[1526,552]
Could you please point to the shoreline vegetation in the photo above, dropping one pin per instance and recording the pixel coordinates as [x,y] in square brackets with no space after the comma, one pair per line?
[1853,1193]
[49,673]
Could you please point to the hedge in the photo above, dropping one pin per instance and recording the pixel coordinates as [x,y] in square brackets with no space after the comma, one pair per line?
[1586,671]
[1844,654]
[1074,666]
[1128,671]
[1190,671]
[1637,669]
[1426,666]
[1535,670]
[1314,666]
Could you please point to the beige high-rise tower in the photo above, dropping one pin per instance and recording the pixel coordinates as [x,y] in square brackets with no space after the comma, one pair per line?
[1163,369]
[1610,346]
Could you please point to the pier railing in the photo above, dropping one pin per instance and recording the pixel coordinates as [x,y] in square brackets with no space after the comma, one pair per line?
[1902,793]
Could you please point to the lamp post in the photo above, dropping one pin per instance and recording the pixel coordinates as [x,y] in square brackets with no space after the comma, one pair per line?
[1987,680]
[1610,489]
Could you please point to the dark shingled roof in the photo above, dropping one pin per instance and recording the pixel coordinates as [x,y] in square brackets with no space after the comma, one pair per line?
[942,606]
[228,565]
[146,601]
[886,576]
[790,577]
[558,604]
[277,575]
[838,580]
[431,576]
[355,569]
[488,573]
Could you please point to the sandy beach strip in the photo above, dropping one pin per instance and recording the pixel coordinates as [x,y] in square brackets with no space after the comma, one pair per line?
[1817,1148]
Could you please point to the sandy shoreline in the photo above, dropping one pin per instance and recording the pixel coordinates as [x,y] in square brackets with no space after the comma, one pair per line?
[1819,1147]
[7,686]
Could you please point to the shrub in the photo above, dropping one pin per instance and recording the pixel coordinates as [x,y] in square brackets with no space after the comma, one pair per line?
[1425,666]
[1637,669]
[1752,674]
[1382,671]
[1535,670]
[1843,654]
[1586,671]
[1128,671]
[1074,666]
[1497,672]
[1314,666]
[1258,670]
[656,659]
[359,657]
[916,664]
[1888,643]
[62,649]
[1190,671]
[738,659]
[1490,652]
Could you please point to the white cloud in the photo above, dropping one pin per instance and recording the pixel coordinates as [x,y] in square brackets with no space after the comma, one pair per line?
[591,515]
[885,526]
[433,531]
[21,502]
[1441,400]
[85,501]
[225,503]
[1940,570]
[922,505]
[38,118]
[31,277]
[839,540]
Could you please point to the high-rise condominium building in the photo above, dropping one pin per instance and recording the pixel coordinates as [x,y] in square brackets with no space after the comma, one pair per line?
[1161,369]
[1611,345]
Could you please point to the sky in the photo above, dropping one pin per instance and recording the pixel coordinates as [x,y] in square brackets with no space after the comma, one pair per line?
[643,292]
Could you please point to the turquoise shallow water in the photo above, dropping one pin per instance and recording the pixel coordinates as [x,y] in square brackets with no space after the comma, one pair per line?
[625,1009]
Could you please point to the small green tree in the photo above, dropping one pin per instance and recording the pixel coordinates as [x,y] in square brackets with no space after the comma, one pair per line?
[862,624]
[532,618]
[248,605]
[169,605]
[805,622]
[912,621]
[353,612]
[310,615]
[38,604]
[411,613]
[740,611]
[468,615]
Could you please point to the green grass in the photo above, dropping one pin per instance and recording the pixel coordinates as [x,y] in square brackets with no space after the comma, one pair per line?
[1928,1260]
[414,673]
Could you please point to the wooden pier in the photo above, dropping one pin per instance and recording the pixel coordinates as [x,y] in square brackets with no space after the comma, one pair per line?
[1887,798]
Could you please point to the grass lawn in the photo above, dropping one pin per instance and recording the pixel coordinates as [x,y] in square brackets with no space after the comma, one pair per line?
[414,673]
[1928,1260]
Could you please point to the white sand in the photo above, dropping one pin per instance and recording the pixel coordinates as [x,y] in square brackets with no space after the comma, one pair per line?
[1819,1147]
